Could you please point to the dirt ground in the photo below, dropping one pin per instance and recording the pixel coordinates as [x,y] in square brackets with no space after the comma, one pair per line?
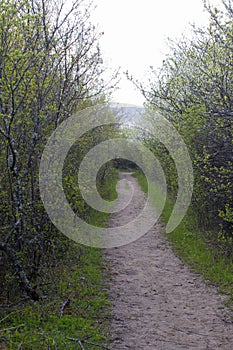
[157,302]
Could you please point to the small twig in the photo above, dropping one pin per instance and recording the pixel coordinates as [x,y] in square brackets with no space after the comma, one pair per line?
[78,341]
[87,342]
[11,313]
[11,328]
[81,345]
[98,346]
[63,306]
[16,303]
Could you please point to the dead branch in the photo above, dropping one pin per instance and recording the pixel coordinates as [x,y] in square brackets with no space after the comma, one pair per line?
[88,342]
[11,328]
[64,305]
[12,254]
[78,341]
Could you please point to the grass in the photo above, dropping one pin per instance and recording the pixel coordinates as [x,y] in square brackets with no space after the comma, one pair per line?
[39,325]
[190,244]
[78,280]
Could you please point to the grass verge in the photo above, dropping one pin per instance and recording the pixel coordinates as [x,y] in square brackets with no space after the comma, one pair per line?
[73,308]
[73,312]
[191,245]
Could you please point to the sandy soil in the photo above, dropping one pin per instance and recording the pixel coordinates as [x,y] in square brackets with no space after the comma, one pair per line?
[157,302]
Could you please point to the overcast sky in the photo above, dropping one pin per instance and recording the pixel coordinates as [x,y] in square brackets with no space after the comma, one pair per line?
[135,35]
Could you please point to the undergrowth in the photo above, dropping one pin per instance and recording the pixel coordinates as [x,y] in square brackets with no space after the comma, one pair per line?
[73,312]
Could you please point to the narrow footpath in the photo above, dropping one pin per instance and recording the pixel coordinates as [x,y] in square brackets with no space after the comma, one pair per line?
[157,302]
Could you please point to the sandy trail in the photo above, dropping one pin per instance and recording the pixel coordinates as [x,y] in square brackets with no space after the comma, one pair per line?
[157,302]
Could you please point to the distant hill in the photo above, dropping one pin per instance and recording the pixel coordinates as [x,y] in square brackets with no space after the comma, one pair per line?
[128,113]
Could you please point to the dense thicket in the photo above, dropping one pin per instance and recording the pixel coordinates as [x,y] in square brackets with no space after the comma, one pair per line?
[194,90]
[50,67]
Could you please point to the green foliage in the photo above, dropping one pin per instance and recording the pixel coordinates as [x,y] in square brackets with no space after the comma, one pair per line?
[141,179]
[50,67]
[193,90]
[77,275]
[39,325]
[106,177]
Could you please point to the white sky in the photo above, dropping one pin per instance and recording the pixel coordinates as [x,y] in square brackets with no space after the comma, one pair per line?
[135,34]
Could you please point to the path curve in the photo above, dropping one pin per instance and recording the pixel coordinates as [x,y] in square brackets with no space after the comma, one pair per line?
[157,302]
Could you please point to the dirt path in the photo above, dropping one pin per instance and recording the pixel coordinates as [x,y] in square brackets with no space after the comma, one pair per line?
[157,302]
